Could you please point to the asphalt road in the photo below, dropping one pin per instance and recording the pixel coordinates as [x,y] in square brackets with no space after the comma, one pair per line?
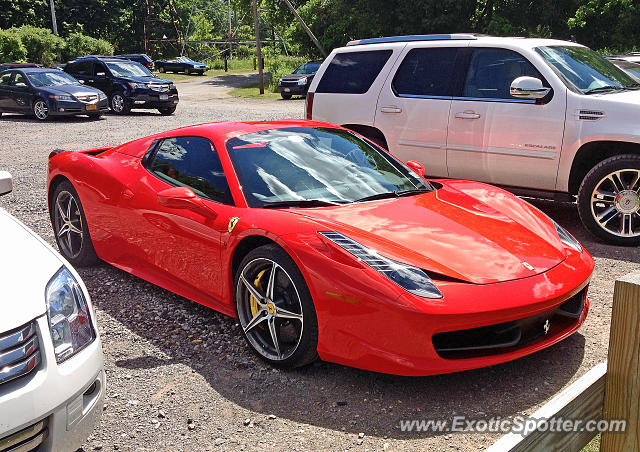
[180,377]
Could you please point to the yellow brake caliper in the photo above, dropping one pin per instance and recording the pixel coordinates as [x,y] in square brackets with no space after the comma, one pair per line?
[252,300]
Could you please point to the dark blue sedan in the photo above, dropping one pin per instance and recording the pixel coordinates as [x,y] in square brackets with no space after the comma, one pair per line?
[181,64]
[47,92]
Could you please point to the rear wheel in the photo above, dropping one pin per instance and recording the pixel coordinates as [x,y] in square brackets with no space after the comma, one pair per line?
[70,226]
[275,309]
[609,200]
[40,109]
[161,69]
[187,71]
[118,104]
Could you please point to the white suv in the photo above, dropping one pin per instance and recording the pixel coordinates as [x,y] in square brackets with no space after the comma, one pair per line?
[541,117]
[52,377]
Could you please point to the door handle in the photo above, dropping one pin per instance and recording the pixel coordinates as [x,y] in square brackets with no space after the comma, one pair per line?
[391,109]
[467,114]
[90,81]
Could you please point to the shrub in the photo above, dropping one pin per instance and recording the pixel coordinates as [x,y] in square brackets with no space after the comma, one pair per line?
[42,46]
[11,47]
[77,44]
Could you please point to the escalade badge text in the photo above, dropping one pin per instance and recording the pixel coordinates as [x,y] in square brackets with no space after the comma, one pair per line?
[232,223]
[528,265]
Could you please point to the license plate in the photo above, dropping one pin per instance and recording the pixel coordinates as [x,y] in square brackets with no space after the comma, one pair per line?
[92,107]
[164,97]
[286,90]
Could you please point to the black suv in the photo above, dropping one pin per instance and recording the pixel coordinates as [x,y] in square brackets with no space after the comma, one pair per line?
[127,83]
[141,58]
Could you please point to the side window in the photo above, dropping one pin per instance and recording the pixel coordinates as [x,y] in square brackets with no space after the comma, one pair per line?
[99,68]
[353,72]
[80,68]
[491,72]
[426,72]
[192,162]
[19,80]
[5,79]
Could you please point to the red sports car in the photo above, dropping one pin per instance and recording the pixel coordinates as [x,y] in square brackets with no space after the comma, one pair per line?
[323,244]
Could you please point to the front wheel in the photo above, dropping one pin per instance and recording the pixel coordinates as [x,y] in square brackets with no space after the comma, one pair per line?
[187,71]
[70,226]
[95,115]
[285,96]
[40,110]
[275,310]
[119,104]
[161,69]
[167,111]
[609,200]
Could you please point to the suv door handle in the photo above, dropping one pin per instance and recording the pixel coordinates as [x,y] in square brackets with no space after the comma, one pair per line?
[391,109]
[467,114]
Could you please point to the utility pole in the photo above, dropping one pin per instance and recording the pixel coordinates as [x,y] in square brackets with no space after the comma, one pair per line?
[53,18]
[230,32]
[258,47]
[306,28]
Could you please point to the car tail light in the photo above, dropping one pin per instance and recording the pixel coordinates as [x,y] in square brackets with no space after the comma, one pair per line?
[309,105]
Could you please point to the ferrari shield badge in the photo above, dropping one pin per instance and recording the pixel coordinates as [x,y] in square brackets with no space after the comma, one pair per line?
[232,223]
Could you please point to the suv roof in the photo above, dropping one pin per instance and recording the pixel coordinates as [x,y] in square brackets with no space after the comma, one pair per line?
[99,57]
[408,38]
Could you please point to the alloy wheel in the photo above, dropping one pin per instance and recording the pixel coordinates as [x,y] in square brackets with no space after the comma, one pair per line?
[269,309]
[117,103]
[41,110]
[68,224]
[615,203]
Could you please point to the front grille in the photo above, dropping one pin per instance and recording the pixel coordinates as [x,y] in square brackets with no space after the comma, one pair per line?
[19,352]
[509,336]
[25,440]
[159,88]
[289,82]
[88,98]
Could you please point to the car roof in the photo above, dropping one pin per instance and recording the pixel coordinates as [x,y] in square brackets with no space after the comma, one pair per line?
[29,70]
[100,58]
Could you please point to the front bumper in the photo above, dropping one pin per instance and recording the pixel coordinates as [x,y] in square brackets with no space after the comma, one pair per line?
[299,90]
[365,321]
[61,403]
[153,100]
[70,108]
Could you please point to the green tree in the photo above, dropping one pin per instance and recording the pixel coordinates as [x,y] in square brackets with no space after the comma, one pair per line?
[11,47]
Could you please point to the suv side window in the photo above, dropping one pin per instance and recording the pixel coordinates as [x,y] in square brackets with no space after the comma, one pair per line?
[491,72]
[426,72]
[99,67]
[192,162]
[80,68]
[353,72]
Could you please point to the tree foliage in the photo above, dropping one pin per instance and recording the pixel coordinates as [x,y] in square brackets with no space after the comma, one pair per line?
[11,47]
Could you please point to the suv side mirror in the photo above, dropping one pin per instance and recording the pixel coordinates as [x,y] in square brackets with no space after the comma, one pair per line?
[416,167]
[528,88]
[184,198]
[6,183]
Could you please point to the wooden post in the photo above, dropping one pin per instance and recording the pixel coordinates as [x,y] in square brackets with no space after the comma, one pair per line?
[258,47]
[622,391]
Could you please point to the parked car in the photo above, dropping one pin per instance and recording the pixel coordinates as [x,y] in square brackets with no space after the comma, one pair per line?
[52,380]
[545,118]
[298,82]
[48,92]
[181,64]
[5,66]
[633,69]
[322,243]
[127,84]
[141,58]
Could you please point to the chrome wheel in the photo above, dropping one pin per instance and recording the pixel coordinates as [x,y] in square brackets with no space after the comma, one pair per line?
[40,109]
[269,309]
[615,203]
[117,103]
[68,224]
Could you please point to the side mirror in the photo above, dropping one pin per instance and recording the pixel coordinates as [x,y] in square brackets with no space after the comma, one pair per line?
[81,81]
[528,88]
[416,167]
[21,84]
[184,198]
[6,183]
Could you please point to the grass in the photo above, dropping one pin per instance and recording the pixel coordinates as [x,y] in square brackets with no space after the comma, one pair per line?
[253,92]
[593,446]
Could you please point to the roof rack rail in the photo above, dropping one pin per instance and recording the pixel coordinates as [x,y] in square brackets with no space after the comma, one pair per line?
[409,38]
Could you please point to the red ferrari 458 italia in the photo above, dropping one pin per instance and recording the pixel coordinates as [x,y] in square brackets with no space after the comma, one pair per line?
[323,244]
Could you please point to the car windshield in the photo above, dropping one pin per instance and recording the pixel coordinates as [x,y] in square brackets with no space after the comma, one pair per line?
[633,69]
[322,165]
[584,70]
[308,68]
[128,69]
[184,59]
[51,78]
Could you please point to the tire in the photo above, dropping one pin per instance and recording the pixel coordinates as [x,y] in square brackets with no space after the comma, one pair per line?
[290,318]
[95,115]
[119,104]
[609,200]
[168,111]
[187,71]
[286,96]
[40,109]
[161,69]
[76,247]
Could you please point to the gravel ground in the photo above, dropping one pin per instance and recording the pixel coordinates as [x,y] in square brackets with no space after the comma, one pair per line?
[180,377]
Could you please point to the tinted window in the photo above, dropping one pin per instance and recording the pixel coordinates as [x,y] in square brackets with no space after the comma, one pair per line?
[353,72]
[19,79]
[192,162]
[426,72]
[99,67]
[5,78]
[491,72]
[80,67]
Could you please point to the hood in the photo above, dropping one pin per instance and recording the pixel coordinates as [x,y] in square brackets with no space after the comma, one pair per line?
[74,90]
[27,265]
[624,97]
[145,80]
[465,230]
[293,77]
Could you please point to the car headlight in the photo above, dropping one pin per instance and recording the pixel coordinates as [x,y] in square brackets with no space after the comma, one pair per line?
[68,313]
[302,81]
[135,85]
[567,238]
[411,279]
[61,97]
[102,96]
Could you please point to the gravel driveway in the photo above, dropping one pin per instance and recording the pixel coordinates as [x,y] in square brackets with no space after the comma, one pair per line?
[180,377]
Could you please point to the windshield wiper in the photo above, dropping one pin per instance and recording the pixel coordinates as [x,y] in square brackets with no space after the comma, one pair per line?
[301,203]
[394,194]
[603,88]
